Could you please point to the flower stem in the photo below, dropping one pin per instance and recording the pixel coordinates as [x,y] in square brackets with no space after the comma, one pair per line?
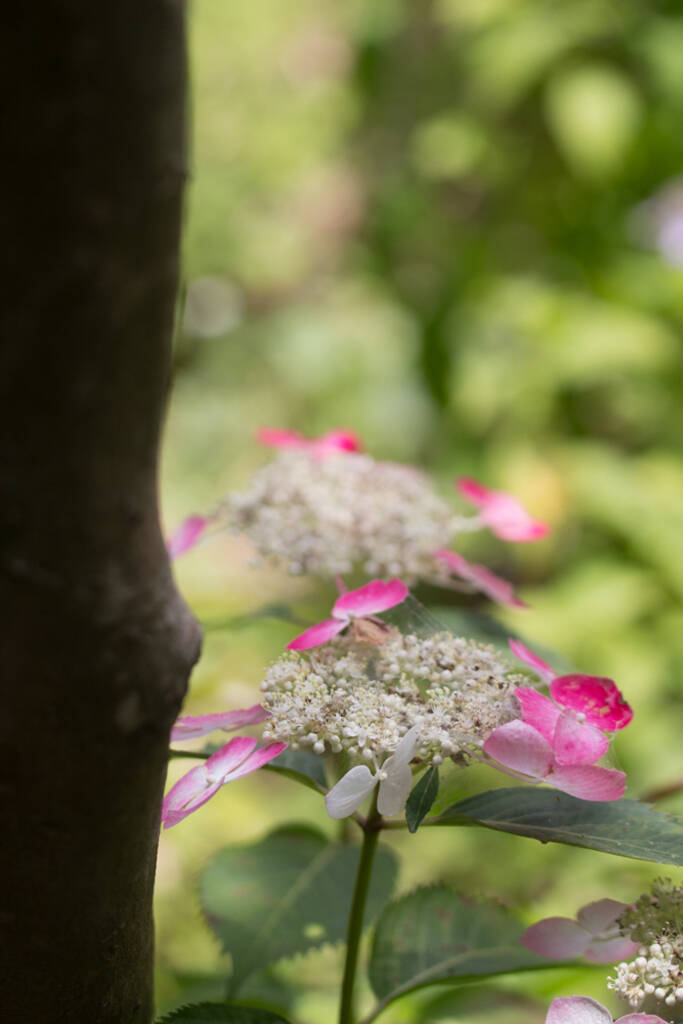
[353,936]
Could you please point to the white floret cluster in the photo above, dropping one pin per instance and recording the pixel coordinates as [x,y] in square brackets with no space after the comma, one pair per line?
[362,699]
[656,920]
[342,513]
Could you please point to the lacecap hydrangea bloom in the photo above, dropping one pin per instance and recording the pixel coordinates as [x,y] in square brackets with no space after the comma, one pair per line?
[323,507]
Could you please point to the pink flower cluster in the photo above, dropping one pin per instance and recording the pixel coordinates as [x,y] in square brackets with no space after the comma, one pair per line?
[559,739]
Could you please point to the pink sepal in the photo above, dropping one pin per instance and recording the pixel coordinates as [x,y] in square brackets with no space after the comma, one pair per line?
[577,1010]
[504,515]
[611,951]
[596,917]
[376,596]
[316,635]
[274,437]
[519,746]
[558,938]
[588,782]
[331,443]
[483,579]
[540,667]
[599,699]
[186,535]
[578,743]
[538,710]
[191,727]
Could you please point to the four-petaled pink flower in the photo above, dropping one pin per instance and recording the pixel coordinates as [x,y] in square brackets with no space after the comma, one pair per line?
[186,535]
[504,515]
[191,727]
[376,596]
[237,758]
[582,1010]
[594,934]
[331,443]
[482,578]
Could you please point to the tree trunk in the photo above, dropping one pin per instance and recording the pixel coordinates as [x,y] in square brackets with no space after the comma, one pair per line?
[97,643]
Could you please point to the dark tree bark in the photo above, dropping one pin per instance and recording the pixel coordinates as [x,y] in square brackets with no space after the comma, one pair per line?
[97,644]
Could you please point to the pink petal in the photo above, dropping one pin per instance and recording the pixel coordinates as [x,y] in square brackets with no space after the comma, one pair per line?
[374,597]
[538,710]
[540,667]
[611,951]
[337,441]
[602,914]
[186,535]
[191,727]
[504,515]
[577,743]
[316,635]
[176,814]
[187,787]
[493,586]
[229,757]
[521,747]
[260,757]
[599,699]
[588,782]
[577,1010]
[277,438]
[558,938]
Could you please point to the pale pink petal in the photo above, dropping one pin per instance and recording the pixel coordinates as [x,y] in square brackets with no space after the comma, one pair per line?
[185,789]
[394,790]
[588,782]
[376,596]
[576,742]
[521,747]
[602,914]
[337,441]
[504,515]
[176,814]
[599,699]
[611,951]
[640,1018]
[350,792]
[186,535]
[540,667]
[558,938]
[274,437]
[229,757]
[538,710]
[316,635]
[577,1010]
[483,579]
[255,761]
[190,727]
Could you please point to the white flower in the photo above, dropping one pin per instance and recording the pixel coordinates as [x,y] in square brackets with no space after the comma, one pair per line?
[394,778]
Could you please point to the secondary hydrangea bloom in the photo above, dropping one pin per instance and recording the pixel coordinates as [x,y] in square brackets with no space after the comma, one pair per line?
[595,934]
[363,699]
[503,514]
[394,778]
[582,1010]
[237,758]
[354,607]
[655,921]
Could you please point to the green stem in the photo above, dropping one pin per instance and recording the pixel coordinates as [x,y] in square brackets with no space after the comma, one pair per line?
[353,936]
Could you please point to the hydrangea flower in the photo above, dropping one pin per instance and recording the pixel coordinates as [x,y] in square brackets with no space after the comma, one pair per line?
[237,758]
[483,579]
[582,1010]
[595,934]
[394,778]
[655,921]
[351,608]
[504,515]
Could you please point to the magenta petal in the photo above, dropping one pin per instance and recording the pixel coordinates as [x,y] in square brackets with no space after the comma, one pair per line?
[504,515]
[588,782]
[191,727]
[519,746]
[186,535]
[577,743]
[602,914]
[558,938]
[540,667]
[483,579]
[473,491]
[611,951]
[274,437]
[256,760]
[376,596]
[538,710]
[316,635]
[577,1010]
[337,441]
[176,814]
[229,757]
[599,699]
[187,787]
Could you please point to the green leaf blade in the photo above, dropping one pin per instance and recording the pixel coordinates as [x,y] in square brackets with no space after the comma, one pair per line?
[219,1013]
[300,765]
[421,798]
[625,828]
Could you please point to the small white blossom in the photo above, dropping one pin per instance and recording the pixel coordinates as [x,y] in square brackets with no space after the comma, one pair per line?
[656,920]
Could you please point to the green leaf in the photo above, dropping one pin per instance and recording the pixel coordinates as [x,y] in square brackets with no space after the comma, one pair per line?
[300,765]
[432,935]
[219,1013]
[626,828]
[421,799]
[286,894]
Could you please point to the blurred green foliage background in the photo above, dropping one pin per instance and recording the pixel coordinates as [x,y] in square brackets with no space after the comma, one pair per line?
[448,226]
